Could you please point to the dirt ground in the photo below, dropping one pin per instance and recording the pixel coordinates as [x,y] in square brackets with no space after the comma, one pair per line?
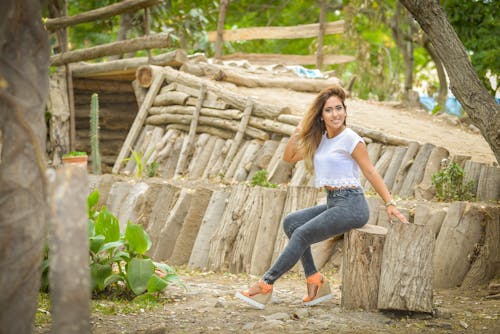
[208,304]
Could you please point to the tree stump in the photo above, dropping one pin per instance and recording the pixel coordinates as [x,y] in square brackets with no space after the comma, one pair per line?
[406,275]
[361,266]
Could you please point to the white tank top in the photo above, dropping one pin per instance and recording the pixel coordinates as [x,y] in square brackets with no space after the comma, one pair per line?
[333,164]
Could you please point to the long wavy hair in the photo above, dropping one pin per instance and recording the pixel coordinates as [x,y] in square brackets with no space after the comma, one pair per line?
[312,125]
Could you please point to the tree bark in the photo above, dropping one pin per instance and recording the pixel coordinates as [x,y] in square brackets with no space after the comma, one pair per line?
[478,103]
[23,222]
[124,6]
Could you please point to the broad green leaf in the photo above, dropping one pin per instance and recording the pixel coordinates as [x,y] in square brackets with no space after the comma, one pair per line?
[121,256]
[156,284]
[111,245]
[95,243]
[107,225]
[138,240]
[112,279]
[92,200]
[91,225]
[99,273]
[164,267]
[139,271]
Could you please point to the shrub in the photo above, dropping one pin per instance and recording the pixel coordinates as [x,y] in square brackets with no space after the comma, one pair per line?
[450,186]
[260,179]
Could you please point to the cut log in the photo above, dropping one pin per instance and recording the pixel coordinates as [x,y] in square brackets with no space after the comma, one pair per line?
[245,164]
[138,122]
[211,100]
[374,150]
[323,251]
[472,170]
[380,137]
[392,169]
[167,167]
[164,119]
[187,235]
[237,100]
[278,154]
[271,126]
[203,129]
[114,48]
[405,166]
[229,173]
[171,98]
[485,262]
[300,175]
[456,244]
[488,187]
[211,220]
[221,244]
[217,163]
[214,156]
[272,202]
[431,216]
[239,136]
[59,125]
[69,270]
[289,119]
[187,147]
[361,267]
[234,114]
[297,198]
[425,190]
[375,204]
[406,274]
[416,171]
[139,92]
[381,165]
[145,75]
[263,157]
[203,151]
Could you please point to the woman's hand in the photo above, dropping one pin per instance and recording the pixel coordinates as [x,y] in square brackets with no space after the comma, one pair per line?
[392,211]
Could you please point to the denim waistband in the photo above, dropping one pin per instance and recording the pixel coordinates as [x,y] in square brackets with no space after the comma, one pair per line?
[336,192]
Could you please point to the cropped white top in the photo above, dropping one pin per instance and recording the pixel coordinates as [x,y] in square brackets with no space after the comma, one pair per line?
[333,164]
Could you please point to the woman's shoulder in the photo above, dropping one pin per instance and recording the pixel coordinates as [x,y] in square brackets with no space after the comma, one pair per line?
[351,134]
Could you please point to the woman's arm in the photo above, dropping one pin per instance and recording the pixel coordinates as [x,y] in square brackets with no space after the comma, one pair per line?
[293,151]
[360,154]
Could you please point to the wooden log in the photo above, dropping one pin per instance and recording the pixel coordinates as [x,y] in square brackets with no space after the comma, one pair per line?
[382,164]
[297,198]
[239,136]
[406,271]
[290,119]
[234,114]
[416,172]
[460,159]
[375,203]
[300,174]
[187,146]
[164,119]
[114,48]
[217,164]
[59,127]
[171,98]
[126,68]
[211,220]
[139,146]
[99,86]
[203,129]
[221,244]
[139,92]
[431,216]
[68,254]
[485,260]
[380,137]
[373,154]
[211,100]
[488,187]
[173,225]
[138,122]
[220,29]
[229,173]
[272,202]
[167,167]
[150,152]
[214,156]
[203,151]
[361,266]
[425,189]
[272,126]
[166,144]
[456,244]
[323,251]
[263,157]
[392,169]
[126,6]
[234,99]
[472,170]
[190,227]
[406,163]
[145,75]
[278,155]
[245,164]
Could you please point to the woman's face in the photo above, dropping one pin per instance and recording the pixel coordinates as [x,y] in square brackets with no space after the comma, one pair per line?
[333,114]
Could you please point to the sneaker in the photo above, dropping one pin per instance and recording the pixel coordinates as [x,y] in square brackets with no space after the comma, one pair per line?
[258,299]
[318,290]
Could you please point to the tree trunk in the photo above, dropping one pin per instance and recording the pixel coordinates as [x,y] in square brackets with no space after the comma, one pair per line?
[478,103]
[220,28]
[406,276]
[59,127]
[361,266]
[23,205]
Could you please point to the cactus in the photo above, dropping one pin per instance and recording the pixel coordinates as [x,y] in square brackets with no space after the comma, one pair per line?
[94,134]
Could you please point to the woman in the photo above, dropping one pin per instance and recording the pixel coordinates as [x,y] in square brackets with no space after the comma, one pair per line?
[336,154]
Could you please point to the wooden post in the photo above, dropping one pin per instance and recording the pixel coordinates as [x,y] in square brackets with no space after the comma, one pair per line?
[138,122]
[239,135]
[220,28]
[321,34]
[188,141]
[69,273]
[406,275]
[361,265]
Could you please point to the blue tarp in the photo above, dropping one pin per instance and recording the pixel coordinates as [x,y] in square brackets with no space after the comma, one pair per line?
[452,106]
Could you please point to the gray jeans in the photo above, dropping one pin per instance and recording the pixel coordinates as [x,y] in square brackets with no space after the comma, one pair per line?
[344,210]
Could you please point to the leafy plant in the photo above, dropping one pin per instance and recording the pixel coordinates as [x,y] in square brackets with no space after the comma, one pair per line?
[75,154]
[260,179]
[140,160]
[121,259]
[450,186]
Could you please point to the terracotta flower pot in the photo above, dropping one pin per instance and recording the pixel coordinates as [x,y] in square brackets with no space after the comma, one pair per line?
[79,161]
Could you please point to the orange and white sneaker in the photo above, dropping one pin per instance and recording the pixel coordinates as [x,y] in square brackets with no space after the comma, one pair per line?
[258,295]
[318,290]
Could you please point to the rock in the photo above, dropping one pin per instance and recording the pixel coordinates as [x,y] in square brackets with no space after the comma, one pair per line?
[442,313]
[463,324]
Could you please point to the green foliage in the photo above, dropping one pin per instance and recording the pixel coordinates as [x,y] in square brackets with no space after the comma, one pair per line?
[94,134]
[141,166]
[260,179]
[450,186]
[119,259]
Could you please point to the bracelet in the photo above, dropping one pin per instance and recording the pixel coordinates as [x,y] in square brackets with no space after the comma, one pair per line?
[391,202]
